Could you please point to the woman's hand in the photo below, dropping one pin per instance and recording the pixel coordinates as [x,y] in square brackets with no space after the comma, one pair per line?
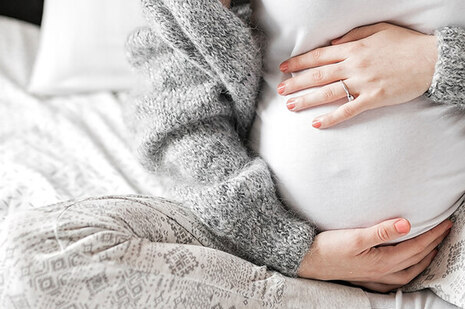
[354,255]
[381,65]
[226,3]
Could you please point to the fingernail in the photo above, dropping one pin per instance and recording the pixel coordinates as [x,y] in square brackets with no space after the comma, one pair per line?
[284,66]
[281,88]
[402,226]
[291,104]
[316,123]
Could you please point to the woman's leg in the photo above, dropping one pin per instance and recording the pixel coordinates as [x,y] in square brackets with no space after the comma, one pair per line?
[139,252]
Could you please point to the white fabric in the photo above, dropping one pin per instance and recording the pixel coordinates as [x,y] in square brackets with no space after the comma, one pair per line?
[60,148]
[82,46]
[399,161]
[424,299]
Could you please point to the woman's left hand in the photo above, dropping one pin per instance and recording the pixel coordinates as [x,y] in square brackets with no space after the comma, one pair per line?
[381,64]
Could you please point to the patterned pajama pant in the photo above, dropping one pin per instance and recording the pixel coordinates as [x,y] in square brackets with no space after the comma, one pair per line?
[140,252]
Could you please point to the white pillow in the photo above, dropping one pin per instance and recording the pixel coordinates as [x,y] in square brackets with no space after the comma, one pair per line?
[82,46]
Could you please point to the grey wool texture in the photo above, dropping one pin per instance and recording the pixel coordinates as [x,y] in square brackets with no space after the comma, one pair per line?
[204,66]
[448,84]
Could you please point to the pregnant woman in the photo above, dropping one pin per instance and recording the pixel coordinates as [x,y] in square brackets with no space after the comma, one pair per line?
[392,162]
[397,161]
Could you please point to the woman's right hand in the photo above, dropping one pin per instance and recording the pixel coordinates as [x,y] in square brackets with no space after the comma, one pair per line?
[354,255]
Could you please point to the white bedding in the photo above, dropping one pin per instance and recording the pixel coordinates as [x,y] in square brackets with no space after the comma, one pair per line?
[58,148]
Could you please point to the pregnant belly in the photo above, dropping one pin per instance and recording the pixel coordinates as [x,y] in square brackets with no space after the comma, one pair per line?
[399,161]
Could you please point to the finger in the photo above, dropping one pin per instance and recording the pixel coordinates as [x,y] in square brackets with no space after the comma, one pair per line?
[380,233]
[405,276]
[226,3]
[341,114]
[312,78]
[323,95]
[420,256]
[408,248]
[360,33]
[376,287]
[313,58]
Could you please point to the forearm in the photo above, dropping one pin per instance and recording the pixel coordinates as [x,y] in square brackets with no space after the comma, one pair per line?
[188,136]
[448,85]
[234,195]
[217,41]
[188,129]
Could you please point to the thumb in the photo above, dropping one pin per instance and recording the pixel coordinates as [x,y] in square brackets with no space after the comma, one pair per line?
[359,33]
[385,231]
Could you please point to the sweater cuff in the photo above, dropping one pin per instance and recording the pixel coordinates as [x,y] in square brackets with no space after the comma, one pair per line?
[303,240]
[244,210]
[448,84]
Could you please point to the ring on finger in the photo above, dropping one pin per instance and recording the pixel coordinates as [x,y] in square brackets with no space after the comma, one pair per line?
[349,96]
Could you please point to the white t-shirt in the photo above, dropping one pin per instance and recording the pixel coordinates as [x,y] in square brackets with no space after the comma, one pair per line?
[406,160]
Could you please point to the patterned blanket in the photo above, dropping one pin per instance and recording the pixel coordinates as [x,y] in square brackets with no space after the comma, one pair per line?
[140,252]
[143,252]
[446,274]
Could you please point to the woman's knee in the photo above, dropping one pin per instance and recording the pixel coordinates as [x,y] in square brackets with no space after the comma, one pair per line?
[102,222]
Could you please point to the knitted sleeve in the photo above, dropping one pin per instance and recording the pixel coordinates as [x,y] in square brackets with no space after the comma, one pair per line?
[448,85]
[190,126]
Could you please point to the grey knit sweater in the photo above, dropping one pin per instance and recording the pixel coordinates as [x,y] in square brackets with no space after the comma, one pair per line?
[204,67]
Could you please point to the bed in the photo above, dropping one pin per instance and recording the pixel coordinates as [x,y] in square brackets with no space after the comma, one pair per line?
[81,224]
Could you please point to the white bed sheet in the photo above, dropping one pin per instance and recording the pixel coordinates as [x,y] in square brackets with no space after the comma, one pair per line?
[58,148]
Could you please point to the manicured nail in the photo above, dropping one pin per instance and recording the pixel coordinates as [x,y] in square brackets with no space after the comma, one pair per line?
[335,40]
[402,226]
[284,66]
[316,123]
[291,104]
[450,224]
[281,88]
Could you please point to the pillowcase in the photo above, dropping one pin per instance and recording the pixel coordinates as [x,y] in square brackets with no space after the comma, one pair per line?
[82,46]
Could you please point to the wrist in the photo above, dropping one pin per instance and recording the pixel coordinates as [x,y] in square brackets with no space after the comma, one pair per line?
[449,75]
[304,270]
[308,267]
[431,57]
